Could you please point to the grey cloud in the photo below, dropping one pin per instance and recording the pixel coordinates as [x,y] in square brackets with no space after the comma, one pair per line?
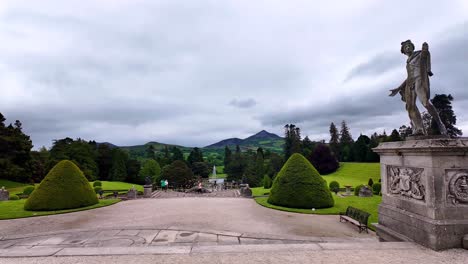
[107,71]
[243,103]
[377,65]
[369,110]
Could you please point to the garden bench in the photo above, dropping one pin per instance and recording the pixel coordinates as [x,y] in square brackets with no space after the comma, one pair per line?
[356,217]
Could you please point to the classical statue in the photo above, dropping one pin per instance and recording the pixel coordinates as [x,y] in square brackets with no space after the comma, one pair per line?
[418,67]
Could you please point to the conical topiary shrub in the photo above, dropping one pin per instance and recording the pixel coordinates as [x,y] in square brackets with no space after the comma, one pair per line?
[299,185]
[64,187]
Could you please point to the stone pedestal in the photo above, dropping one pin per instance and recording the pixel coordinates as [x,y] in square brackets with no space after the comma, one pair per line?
[424,192]
[132,193]
[4,194]
[148,190]
[348,190]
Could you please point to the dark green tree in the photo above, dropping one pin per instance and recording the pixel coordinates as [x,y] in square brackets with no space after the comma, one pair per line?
[177,154]
[133,170]
[196,155]
[201,169]
[227,156]
[39,161]
[443,104]
[292,143]
[15,152]
[334,141]
[118,171]
[361,148]
[394,136]
[307,146]
[178,175]
[346,143]
[104,161]
[150,152]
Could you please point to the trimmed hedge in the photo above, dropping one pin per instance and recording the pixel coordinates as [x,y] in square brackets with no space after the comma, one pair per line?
[97,189]
[97,184]
[377,188]
[299,185]
[267,182]
[14,197]
[28,190]
[64,187]
[334,187]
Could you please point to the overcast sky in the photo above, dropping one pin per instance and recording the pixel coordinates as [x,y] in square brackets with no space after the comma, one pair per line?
[195,72]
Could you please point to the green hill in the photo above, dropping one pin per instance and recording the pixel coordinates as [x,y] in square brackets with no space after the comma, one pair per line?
[261,139]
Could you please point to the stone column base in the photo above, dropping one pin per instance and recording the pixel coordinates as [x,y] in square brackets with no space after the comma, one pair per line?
[148,190]
[401,225]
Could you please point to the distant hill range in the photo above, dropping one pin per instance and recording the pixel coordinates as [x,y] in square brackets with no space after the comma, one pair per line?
[263,139]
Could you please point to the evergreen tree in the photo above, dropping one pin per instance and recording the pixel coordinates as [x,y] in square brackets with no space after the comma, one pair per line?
[237,166]
[443,104]
[195,155]
[177,154]
[39,161]
[292,137]
[200,169]
[394,136]
[361,148]
[346,143]
[307,146]
[227,156]
[405,131]
[178,174]
[118,171]
[334,140]
[104,161]
[15,152]
[150,152]
[133,170]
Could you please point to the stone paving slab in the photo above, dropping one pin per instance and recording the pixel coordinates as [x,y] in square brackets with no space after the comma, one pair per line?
[32,252]
[254,248]
[366,245]
[103,251]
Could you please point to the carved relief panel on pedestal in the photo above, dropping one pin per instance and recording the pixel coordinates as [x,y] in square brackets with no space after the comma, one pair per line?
[457,187]
[406,182]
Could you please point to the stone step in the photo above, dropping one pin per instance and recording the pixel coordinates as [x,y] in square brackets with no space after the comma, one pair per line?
[45,251]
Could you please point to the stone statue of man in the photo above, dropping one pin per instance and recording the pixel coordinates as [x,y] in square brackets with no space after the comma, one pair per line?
[418,67]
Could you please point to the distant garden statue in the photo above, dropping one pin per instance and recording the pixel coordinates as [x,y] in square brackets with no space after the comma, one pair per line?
[418,68]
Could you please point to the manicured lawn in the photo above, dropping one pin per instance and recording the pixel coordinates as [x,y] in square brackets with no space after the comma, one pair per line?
[219,172]
[15,209]
[260,191]
[353,173]
[368,204]
[110,185]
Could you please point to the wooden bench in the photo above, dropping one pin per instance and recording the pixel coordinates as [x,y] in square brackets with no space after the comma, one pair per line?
[356,217]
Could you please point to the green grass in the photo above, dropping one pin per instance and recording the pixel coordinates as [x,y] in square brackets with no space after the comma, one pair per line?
[219,173]
[260,191]
[15,209]
[110,185]
[368,204]
[353,173]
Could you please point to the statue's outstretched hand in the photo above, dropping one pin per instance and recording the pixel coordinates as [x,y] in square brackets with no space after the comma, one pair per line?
[393,92]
